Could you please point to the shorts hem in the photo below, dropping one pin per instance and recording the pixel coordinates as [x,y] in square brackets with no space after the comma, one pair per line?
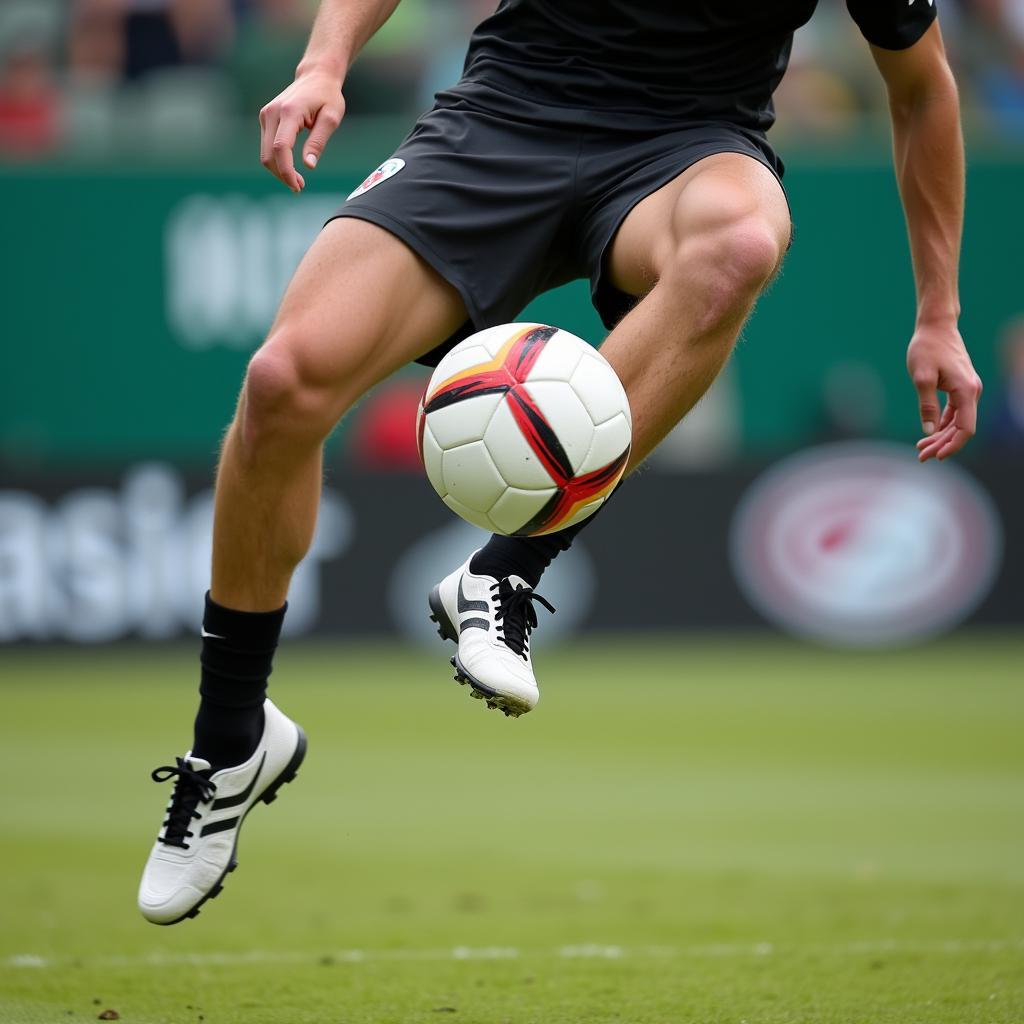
[419,245]
[598,277]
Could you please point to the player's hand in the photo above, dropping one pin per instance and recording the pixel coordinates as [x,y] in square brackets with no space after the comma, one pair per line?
[312,101]
[937,360]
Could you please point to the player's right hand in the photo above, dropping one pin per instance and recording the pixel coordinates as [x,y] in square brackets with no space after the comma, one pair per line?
[313,101]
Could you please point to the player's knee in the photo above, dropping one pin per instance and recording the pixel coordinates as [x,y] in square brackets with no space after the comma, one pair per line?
[281,399]
[744,253]
[730,264]
[751,251]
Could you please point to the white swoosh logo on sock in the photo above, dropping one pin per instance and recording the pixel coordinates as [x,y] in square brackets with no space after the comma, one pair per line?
[210,636]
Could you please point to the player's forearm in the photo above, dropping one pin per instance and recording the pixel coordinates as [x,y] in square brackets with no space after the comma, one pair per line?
[929,157]
[340,31]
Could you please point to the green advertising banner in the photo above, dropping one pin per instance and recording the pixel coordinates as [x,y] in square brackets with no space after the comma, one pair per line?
[133,297]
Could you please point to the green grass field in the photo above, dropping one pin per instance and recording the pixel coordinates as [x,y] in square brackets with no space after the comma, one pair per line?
[709,830]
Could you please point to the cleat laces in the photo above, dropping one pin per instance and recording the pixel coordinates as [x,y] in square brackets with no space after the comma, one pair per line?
[516,616]
[191,788]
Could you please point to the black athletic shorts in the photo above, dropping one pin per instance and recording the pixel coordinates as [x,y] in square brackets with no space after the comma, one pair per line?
[506,198]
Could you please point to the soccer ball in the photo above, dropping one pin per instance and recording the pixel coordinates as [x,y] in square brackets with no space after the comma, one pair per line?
[524,429]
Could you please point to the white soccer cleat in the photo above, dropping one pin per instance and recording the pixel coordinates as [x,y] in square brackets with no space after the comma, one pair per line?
[198,841]
[491,621]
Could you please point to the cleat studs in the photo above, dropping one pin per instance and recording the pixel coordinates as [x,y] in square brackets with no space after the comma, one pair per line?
[493,701]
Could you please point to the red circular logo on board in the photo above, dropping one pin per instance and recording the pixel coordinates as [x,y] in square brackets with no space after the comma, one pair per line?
[858,544]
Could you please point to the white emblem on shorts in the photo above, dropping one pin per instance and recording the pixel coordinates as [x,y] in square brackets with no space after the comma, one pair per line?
[388,169]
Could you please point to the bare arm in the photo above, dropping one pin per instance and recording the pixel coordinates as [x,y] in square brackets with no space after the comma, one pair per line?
[929,158]
[314,100]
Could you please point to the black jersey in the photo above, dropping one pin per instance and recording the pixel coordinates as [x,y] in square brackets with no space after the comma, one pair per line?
[662,60]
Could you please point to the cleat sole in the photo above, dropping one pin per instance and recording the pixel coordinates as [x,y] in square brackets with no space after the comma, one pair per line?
[445,627]
[511,707]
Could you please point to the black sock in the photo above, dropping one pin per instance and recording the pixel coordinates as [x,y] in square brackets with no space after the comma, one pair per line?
[527,557]
[237,656]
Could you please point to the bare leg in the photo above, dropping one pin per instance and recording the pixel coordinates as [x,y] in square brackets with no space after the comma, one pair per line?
[700,251]
[360,306]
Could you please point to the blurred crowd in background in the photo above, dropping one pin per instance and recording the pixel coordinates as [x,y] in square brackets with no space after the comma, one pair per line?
[184,79]
[94,75]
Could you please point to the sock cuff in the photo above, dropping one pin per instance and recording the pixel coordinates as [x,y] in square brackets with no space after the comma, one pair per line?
[246,631]
[512,556]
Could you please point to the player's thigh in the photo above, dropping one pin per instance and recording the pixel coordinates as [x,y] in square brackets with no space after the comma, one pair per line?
[728,199]
[361,305]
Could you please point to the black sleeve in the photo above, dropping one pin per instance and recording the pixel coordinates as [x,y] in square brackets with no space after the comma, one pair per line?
[892,24]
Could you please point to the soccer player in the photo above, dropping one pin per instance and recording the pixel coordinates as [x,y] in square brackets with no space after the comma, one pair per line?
[619,141]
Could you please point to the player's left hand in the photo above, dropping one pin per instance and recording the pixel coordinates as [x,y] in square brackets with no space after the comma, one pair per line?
[937,360]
